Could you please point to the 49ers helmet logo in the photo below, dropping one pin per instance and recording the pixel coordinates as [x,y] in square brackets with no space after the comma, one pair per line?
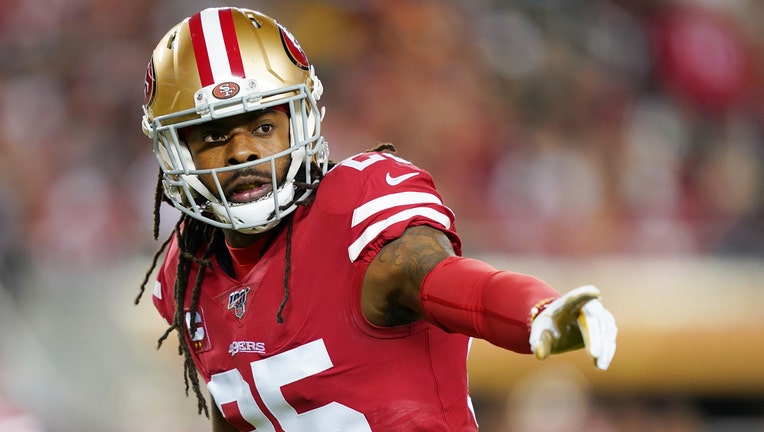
[149,84]
[225,90]
[293,49]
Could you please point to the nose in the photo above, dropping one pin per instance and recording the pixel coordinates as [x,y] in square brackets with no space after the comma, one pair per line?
[241,149]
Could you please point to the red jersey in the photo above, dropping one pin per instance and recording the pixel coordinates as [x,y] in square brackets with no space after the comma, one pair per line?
[326,368]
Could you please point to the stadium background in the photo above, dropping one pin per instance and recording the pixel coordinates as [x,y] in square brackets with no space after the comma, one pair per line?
[610,142]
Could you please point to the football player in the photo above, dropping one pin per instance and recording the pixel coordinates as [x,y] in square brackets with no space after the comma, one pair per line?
[311,295]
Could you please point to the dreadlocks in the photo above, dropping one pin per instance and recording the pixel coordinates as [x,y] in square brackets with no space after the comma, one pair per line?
[193,235]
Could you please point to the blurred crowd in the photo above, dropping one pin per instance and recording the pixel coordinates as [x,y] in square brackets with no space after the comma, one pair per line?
[551,127]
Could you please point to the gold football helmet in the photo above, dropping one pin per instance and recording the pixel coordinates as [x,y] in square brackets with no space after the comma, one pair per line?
[223,62]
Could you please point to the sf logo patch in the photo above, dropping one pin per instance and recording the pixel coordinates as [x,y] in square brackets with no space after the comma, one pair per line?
[293,49]
[149,84]
[226,90]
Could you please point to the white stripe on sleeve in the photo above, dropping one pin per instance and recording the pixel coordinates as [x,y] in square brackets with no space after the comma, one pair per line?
[392,200]
[377,228]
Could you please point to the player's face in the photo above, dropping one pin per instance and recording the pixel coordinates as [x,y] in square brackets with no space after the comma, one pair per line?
[236,140]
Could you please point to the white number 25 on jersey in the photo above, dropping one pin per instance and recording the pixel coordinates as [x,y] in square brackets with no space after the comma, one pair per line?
[270,375]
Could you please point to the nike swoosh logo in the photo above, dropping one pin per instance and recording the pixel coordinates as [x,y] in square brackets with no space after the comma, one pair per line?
[395,181]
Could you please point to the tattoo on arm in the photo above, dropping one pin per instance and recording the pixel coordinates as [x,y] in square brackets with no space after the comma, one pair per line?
[416,252]
[394,277]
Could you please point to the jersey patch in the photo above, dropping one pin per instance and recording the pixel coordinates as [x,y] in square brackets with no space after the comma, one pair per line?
[200,340]
[237,301]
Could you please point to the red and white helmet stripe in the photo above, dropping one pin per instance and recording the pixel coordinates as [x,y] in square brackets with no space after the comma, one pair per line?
[215,46]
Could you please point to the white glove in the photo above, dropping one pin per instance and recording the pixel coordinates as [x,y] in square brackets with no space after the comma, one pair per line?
[574,320]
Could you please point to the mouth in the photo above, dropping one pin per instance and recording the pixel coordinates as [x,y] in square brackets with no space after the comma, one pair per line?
[248,189]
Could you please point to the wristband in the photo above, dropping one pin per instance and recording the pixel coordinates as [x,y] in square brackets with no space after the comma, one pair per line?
[537,309]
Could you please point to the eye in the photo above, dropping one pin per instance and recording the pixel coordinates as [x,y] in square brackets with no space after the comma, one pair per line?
[213,137]
[264,129]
